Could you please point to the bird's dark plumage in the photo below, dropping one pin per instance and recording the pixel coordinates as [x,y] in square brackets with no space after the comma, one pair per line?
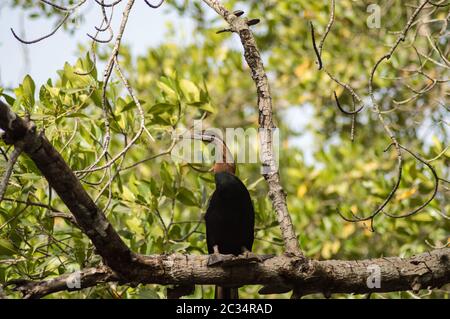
[230,221]
[230,217]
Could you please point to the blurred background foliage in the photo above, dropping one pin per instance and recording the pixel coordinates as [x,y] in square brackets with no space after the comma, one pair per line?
[157,205]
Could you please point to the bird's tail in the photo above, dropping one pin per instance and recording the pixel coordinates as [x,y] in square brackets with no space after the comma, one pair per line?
[226,293]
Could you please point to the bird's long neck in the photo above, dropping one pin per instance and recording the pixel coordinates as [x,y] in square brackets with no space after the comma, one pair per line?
[224,167]
[227,162]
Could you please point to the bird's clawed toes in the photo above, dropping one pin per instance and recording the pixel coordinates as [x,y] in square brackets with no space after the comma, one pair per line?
[216,259]
[245,258]
[250,257]
[231,260]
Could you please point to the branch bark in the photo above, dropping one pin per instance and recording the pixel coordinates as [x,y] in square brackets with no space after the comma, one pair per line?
[240,26]
[68,282]
[428,270]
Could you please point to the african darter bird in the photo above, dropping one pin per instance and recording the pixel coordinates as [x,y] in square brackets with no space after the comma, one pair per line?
[230,217]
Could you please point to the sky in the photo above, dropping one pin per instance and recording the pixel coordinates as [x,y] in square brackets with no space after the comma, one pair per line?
[146,28]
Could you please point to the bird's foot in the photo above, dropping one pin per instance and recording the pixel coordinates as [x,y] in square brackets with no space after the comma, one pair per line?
[217,259]
[250,257]
[245,258]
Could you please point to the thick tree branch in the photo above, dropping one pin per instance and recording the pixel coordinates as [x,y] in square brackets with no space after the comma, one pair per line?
[68,282]
[428,270]
[240,25]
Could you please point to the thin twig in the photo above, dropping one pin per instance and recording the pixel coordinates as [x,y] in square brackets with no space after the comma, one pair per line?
[9,169]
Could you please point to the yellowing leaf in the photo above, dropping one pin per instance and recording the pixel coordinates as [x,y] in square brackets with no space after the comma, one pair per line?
[437,143]
[335,246]
[405,194]
[348,230]
[366,225]
[208,108]
[171,95]
[54,92]
[371,166]
[28,89]
[127,194]
[302,68]
[330,248]
[309,14]
[423,217]
[301,191]
[326,250]
[190,90]
[134,224]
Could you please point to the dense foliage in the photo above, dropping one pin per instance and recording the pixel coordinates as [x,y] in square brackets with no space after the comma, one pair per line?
[157,205]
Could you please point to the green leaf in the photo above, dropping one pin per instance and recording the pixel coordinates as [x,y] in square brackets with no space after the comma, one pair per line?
[180,247]
[205,107]
[190,90]
[146,293]
[187,197]
[6,247]
[8,98]
[253,185]
[127,194]
[165,174]
[25,92]
[169,93]
[29,89]
[160,108]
